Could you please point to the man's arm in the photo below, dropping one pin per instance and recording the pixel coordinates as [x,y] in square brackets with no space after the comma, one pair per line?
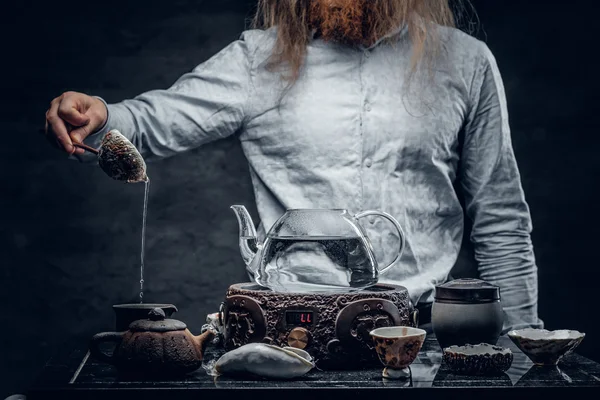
[495,200]
[203,105]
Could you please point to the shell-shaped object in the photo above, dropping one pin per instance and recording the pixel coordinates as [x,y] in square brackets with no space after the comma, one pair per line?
[479,359]
[265,360]
[545,347]
[120,160]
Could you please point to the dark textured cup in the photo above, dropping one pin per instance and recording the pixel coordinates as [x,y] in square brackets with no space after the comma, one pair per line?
[127,313]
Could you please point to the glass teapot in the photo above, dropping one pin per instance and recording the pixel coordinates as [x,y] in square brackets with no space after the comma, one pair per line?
[313,250]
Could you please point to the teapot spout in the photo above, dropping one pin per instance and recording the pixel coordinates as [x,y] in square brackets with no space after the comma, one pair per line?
[248,239]
[201,341]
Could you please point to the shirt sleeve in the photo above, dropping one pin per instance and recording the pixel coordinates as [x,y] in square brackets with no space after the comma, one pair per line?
[204,105]
[495,201]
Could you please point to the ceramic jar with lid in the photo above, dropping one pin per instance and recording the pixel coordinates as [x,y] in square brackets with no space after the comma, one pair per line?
[467,311]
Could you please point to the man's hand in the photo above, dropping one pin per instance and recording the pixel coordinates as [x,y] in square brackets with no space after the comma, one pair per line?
[72,117]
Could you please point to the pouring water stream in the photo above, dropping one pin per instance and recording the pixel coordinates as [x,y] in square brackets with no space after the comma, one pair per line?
[145,212]
[120,160]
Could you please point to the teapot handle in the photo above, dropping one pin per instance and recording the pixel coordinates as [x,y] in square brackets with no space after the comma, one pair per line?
[100,338]
[398,227]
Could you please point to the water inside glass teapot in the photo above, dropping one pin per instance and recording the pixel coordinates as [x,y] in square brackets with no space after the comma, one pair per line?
[312,251]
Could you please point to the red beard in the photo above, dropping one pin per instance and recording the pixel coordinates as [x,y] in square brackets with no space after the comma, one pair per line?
[351,22]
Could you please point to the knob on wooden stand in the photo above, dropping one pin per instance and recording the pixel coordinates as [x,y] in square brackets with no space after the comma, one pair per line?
[298,338]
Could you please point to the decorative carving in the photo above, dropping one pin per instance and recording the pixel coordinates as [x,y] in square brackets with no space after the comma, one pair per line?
[244,321]
[240,328]
[267,340]
[358,318]
[365,323]
[339,334]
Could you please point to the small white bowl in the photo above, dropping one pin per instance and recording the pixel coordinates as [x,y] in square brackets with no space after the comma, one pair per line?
[545,347]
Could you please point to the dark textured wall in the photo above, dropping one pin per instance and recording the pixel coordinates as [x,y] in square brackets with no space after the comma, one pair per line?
[70,237]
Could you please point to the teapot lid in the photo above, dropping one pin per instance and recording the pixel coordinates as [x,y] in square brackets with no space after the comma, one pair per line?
[467,290]
[157,322]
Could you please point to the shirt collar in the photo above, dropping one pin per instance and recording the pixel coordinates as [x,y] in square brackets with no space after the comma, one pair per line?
[399,31]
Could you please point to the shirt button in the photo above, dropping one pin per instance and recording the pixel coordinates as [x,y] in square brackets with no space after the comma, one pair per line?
[372,220]
[367,54]
[368,162]
[368,107]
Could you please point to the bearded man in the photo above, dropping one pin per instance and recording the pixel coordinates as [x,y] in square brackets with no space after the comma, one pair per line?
[353,104]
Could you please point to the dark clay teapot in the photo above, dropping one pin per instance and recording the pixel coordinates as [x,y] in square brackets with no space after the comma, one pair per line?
[154,346]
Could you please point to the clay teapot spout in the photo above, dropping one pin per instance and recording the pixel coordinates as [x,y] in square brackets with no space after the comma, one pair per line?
[202,340]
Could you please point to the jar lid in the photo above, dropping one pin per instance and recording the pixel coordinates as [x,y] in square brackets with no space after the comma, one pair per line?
[467,290]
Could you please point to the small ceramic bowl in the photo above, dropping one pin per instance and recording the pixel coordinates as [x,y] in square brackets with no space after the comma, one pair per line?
[397,347]
[479,359]
[545,347]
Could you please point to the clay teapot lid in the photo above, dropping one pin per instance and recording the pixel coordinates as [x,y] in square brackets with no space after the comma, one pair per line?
[157,322]
[467,290]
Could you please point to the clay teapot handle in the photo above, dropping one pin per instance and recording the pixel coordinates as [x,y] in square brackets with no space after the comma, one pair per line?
[101,338]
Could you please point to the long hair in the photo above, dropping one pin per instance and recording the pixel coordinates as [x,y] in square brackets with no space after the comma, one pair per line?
[294,31]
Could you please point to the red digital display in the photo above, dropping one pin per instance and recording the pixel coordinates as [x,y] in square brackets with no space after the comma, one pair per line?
[299,317]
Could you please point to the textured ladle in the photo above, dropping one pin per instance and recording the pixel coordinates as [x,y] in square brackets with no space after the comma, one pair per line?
[118,158]
[85,147]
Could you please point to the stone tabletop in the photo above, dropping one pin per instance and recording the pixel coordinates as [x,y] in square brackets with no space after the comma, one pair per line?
[74,375]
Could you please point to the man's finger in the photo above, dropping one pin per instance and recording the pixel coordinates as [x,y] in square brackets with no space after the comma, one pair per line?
[79,134]
[58,128]
[72,115]
[79,151]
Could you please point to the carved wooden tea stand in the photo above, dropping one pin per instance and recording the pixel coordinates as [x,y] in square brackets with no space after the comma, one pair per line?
[335,329]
